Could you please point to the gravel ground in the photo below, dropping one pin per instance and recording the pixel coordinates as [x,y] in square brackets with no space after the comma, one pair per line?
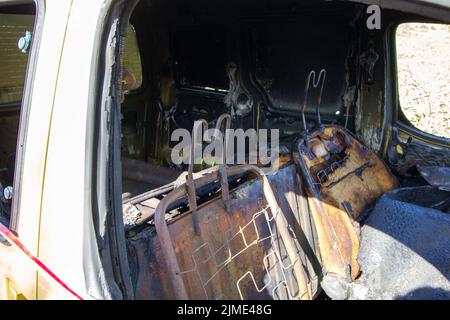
[423,52]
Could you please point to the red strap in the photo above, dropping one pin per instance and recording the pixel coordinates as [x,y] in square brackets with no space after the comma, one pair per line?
[5,232]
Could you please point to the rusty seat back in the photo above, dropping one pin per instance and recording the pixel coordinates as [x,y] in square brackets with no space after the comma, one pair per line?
[238,253]
[342,178]
[241,245]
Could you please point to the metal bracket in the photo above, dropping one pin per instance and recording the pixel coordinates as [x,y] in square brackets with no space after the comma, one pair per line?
[316,83]
[368,60]
[190,183]
[223,166]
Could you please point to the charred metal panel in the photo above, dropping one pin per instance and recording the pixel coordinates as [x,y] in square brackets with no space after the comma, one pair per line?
[237,254]
[420,154]
[146,172]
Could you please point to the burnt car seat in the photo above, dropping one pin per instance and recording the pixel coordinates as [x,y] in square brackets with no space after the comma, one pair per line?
[342,178]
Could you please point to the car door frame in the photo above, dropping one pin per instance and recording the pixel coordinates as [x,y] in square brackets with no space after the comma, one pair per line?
[19,264]
[400,134]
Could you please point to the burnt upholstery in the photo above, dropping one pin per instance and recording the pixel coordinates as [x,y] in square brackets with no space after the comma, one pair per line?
[405,247]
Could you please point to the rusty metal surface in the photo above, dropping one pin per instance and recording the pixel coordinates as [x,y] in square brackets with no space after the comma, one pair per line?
[317,84]
[239,254]
[343,178]
[276,217]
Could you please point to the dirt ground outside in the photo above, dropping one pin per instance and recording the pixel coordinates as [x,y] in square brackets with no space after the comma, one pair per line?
[423,56]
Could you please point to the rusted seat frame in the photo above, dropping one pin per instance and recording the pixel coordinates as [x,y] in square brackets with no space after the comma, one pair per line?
[335,267]
[332,262]
[188,189]
[165,239]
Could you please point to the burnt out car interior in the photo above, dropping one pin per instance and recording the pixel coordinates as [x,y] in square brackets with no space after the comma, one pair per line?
[355,206]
